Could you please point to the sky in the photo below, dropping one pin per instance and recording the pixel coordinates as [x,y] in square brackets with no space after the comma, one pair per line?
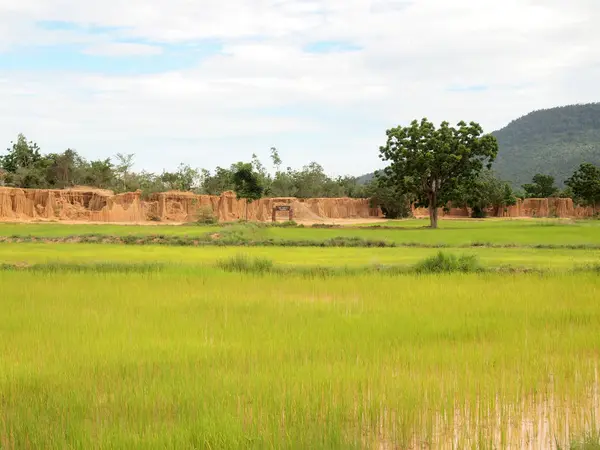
[210,82]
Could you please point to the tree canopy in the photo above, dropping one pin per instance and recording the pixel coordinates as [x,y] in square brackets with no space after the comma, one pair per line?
[430,163]
[542,186]
[483,192]
[25,165]
[585,184]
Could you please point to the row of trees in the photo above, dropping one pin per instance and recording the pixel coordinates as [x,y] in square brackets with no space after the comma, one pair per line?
[25,166]
[432,167]
[427,166]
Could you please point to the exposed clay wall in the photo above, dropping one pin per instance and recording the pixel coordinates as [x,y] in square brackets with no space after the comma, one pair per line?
[104,206]
[530,207]
[184,206]
[88,204]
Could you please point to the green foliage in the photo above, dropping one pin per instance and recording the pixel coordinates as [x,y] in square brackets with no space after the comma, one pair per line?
[541,187]
[566,193]
[98,173]
[245,264]
[285,224]
[25,166]
[429,163]
[246,182]
[184,179]
[553,141]
[394,203]
[448,263]
[585,184]
[509,198]
[21,155]
[484,192]
[206,216]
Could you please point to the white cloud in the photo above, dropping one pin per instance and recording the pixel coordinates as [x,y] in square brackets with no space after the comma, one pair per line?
[122,49]
[263,89]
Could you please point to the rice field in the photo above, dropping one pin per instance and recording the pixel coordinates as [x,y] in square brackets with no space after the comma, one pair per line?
[193,356]
[178,258]
[414,231]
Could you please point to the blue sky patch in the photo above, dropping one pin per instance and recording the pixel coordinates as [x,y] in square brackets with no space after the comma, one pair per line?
[59,25]
[72,57]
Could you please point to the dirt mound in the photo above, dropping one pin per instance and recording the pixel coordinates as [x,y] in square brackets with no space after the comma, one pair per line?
[303,212]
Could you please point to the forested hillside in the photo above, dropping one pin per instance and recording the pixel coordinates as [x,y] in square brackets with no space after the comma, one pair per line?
[552,141]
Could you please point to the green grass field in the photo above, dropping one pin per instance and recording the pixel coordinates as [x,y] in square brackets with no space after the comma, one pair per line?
[451,232]
[34,253]
[196,357]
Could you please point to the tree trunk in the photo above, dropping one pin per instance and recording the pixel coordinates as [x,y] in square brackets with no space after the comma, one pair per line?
[433,210]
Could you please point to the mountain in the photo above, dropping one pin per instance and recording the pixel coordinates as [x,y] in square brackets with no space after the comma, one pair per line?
[550,141]
[364,179]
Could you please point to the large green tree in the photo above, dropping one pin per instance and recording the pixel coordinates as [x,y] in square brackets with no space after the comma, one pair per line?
[585,184]
[429,163]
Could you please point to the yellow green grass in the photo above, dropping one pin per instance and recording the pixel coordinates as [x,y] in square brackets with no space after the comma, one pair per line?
[461,232]
[451,232]
[219,361]
[34,253]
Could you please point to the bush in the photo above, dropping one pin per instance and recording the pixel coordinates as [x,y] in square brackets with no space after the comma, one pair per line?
[478,213]
[245,264]
[206,216]
[325,225]
[241,233]
[448,263]
[353,241]
[286,224]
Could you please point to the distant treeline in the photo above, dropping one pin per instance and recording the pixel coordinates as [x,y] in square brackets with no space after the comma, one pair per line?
[24,165]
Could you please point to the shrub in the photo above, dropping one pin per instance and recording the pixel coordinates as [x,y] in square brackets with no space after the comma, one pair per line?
[447,263]
[206,216]
[241,233]
[325,225]
[354,241]
[246,264]
[478,213]
[286,224]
